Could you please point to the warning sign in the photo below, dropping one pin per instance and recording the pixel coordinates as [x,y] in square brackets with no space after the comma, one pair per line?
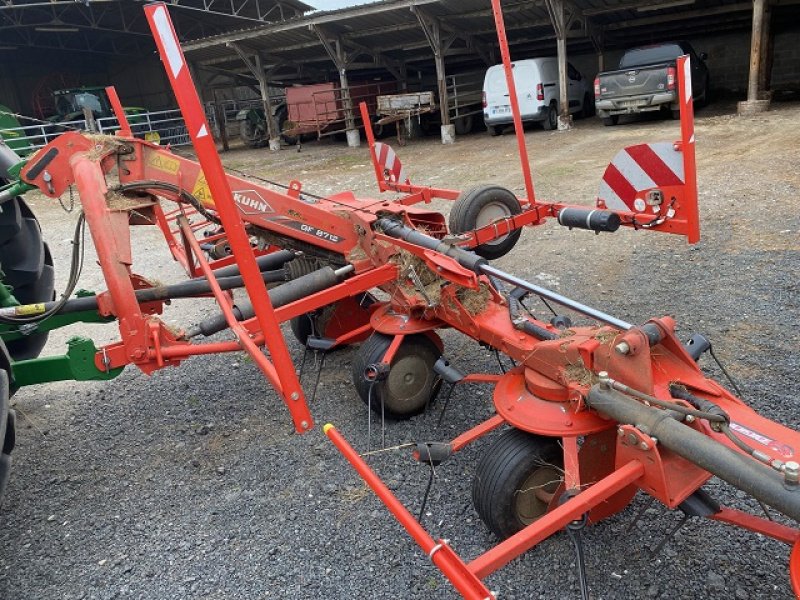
[201,191]
[164,163]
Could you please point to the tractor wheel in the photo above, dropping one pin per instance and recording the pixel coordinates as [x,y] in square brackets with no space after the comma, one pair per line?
[7,431]
[411,382]
[551,119]
[333,320]
[251,134]
[611,121]
[27,267]
[481,205]
[515,481]
[464,125]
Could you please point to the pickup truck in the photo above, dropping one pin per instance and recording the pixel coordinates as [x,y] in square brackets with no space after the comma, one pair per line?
[647,81]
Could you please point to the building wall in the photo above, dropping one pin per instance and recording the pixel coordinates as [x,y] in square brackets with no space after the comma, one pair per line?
[728,60]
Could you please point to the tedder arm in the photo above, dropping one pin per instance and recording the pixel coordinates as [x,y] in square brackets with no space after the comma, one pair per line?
[610,408]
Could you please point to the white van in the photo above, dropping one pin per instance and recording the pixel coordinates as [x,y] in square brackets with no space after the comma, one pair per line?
[536,80]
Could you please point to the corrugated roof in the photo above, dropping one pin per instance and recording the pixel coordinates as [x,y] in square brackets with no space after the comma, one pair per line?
[389,31]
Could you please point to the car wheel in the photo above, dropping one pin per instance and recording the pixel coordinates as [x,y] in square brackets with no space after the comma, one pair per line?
[611,120]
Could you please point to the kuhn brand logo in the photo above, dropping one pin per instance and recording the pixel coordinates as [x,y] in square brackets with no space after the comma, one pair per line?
[250,202]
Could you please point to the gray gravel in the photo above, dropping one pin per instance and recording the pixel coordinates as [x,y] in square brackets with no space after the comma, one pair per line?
[192,484]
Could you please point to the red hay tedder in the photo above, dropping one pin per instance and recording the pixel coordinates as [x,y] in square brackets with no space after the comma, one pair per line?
[594,413]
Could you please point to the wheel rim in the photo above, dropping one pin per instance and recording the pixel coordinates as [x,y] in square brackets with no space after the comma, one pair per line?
[407,383]
[490,213]
[533,497]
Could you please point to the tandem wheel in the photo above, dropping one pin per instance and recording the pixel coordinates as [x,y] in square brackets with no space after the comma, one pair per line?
[480,206]
[410,383]
[516,480]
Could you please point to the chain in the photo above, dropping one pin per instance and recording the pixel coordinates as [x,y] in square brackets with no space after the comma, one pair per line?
[71,202]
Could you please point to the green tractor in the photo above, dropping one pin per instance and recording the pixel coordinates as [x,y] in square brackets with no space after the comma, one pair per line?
[11,130]
[70,103]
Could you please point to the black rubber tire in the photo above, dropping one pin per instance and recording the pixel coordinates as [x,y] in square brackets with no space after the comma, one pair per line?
[464,125]
[551,119]
[494,130]
[27,266]
[503,487]
[704,98]
[404,394]
[587,110]
[464,216]
[675,114]
[7,431]
[251,135]
[611,121]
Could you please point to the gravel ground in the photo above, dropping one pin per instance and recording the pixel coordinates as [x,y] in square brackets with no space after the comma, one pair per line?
[192,484]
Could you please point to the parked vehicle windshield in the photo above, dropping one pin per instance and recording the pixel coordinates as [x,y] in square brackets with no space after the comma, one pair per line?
[650,55]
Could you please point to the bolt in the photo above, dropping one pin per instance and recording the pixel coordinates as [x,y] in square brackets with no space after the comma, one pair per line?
[304,424]
[623,348]
[138,353]
[791,473]
[690,418]
[632,439]
[643,446]
[605,380]
[620,431]
[295,396]
[655,441]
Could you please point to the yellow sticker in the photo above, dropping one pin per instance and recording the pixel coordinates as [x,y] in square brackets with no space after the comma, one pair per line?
[27,310]
[201,190]
[163,162]
[153,137]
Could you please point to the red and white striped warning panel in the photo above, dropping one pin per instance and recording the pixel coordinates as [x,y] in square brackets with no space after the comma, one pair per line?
[635,170]
[390,164]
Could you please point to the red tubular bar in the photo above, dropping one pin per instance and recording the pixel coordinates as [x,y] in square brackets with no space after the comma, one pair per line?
[371,141]
[512,91]
[738,518]
[467,584]
[200,132]
[538,531]
[688,146]
[225,305]
[119,112]
[476,432]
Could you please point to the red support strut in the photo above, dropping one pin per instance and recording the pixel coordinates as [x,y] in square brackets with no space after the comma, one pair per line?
[178,73]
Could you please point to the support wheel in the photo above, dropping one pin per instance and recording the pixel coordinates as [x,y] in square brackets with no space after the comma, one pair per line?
[611,121]
[551,118]
[27,266]
[411,382]
[480,206]
[515,481]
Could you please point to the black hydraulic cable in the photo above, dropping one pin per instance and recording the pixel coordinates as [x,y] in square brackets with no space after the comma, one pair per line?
[76,267]
[149,184]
